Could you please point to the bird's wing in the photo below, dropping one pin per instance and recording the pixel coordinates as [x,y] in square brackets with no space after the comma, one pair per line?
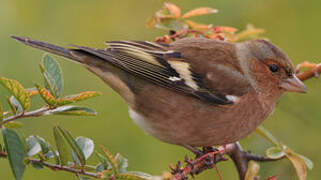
[160,65]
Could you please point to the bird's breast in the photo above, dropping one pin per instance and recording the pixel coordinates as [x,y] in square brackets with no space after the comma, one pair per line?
[180,119]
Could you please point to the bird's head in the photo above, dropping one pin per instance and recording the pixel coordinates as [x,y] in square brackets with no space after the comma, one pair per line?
[272,68]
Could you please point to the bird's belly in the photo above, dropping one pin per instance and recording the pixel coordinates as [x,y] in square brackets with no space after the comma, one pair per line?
[186,120]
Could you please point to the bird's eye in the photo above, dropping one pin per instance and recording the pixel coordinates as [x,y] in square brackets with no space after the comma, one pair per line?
[274,67]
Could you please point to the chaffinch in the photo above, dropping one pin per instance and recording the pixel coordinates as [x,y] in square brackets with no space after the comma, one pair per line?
[192,92]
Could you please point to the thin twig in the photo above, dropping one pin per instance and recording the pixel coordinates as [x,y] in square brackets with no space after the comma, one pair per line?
[34,113]
[55,167]
[313,72]
[65,168]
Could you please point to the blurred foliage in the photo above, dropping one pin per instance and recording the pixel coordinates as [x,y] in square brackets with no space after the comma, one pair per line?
[290,24]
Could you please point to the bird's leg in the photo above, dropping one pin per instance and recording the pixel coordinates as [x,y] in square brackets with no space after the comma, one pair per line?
[206,158]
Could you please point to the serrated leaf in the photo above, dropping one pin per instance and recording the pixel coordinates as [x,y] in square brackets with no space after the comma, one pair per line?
[53,75]
[252,170]
[122,163]
[17,90]
[33,146]
[62,146]
[298,163]
[275,152]
[16,105]
[73,144]
[173,9]
[13,124]
[110,158]
[200,11]
[267,135]
[77,97]
[46,95]
[15,151]
[72,110]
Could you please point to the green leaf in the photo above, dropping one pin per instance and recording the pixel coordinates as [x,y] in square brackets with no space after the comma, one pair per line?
[267,135]
[53,75]
[86,145]
[15,150]
[13,124]
[16,105]
[122,163]
[33,146]
[17,90]
[275,152]
[110,158]
[1,113]
[73,144]
[37,165]
[77,97]
[46,95]
[252,170]
[105,164]
[73,110]
[45,146]
[62,147]
[54,153]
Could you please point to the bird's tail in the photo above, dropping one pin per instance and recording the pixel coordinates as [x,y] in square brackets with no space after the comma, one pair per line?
[57,50]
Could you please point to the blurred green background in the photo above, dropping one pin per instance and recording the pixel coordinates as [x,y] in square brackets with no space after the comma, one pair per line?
[294,25]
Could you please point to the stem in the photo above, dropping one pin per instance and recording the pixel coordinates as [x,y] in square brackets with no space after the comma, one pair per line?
[34,113]
[65,168]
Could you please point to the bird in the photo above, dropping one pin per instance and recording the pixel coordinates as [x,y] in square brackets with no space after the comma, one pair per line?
[193,92]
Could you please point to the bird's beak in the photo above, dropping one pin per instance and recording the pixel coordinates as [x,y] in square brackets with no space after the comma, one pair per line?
[293,84]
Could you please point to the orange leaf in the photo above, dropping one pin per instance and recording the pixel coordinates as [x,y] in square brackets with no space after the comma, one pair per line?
[298,163]
[46,95]
[77,97]
[219,29]
[173,9]
[199,12]
[198,26]
[32,92]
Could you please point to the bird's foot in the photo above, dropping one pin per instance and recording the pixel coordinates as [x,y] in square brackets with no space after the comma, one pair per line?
[206,158]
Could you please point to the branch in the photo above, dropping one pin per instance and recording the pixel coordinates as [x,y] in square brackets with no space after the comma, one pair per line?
[56,167]
[34,113]
[314,70]
[234,151]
